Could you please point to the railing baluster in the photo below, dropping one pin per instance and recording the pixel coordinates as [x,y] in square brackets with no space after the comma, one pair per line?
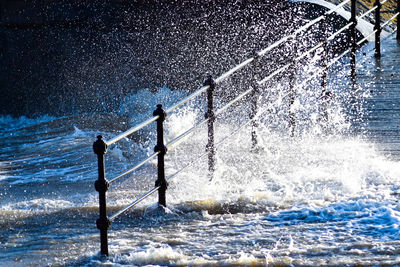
[292,98]
[324,77]
[324,59]
[378,28]
[101,186]
[254,99]
[353,36]
[162,149]
[292,89]
[211,118]
[398,20]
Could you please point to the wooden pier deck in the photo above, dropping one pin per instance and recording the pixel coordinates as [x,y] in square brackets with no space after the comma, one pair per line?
[381,77]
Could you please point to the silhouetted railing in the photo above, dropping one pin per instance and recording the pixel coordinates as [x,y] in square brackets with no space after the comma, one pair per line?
[210,85]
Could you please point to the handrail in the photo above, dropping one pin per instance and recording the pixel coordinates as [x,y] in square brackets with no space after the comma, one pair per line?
[184,134]
[137,201]
[190,97]
[368,12]
[330,38]
[389,20]
[100,146]
[366,37]
[134,168]
[131,131]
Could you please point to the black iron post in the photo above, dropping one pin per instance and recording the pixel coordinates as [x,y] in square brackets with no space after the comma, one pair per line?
[211,119]
[292,98]
[324,77]
[398,20]
[378,28]
[162,149]
[101,186]
[292,89]
[324,57]
[254,99]
[353,38]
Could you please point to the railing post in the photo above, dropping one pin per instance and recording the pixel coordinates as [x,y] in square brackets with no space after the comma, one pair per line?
[162,149]
[353,37]
[211,118]
[292,98]
[324,77]
[324,58]
[398,20]
[101,186]
[292,90]
[378,28]
[254,99]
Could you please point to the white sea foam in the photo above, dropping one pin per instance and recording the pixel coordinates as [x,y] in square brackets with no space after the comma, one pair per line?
[40,204]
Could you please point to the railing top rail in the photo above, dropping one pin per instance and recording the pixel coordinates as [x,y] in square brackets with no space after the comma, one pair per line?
[134,203]
[131,130]
[389,20]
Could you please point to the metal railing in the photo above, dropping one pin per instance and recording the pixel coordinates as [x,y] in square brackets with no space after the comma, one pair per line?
[209,86]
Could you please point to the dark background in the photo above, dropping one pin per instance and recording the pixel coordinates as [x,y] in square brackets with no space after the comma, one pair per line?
[69,57]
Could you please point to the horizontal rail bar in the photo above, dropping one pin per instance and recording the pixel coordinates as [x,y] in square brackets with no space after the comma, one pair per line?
[309,51]
[330,38]
[338,7]
[366,13]
[238,98]
[309,24]
[339,57]
[233,70]
[277,43]
[187,166]
[366,37]
[389,20]
[204,154]
[134,203]
[233,133]
[183,135]
[274,73]
[131,131]
[134,168]
[190,97]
